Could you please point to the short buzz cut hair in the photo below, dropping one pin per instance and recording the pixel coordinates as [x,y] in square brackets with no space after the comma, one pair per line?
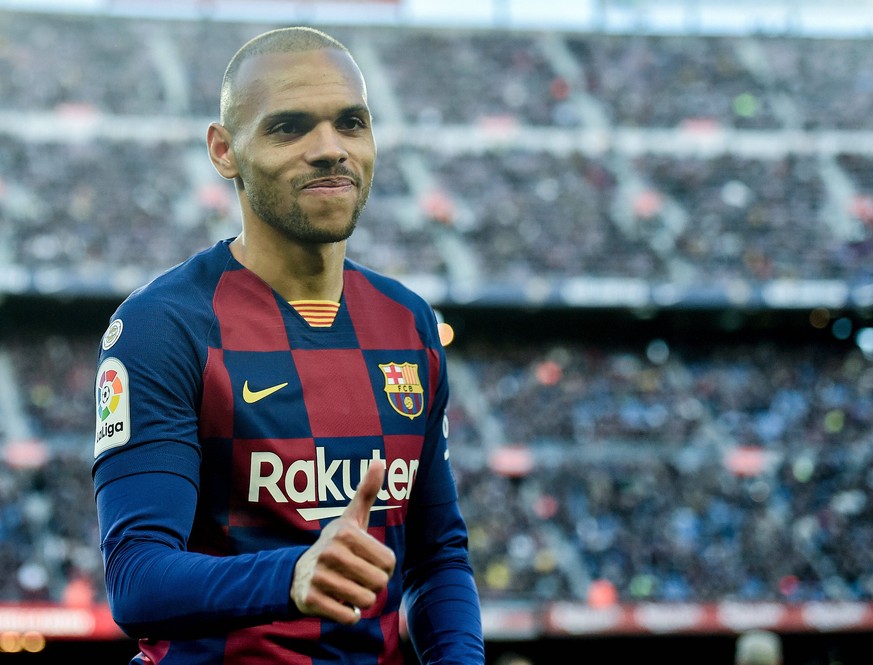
[293,39]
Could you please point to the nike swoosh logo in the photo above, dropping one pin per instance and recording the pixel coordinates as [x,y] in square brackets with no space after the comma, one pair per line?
[310,514]
[252,396]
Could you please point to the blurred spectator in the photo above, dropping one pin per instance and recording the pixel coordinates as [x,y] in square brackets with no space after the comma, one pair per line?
[512,658]
[758,647]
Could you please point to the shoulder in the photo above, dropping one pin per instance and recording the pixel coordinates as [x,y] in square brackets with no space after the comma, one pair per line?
[391,287]
[184,286]
[179,298]
[386,311]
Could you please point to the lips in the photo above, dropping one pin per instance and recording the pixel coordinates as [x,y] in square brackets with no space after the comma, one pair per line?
[332,182]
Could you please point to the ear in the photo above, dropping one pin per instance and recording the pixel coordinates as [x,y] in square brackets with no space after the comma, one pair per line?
[220,146]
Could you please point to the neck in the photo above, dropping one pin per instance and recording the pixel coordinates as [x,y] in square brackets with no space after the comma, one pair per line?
[294,271]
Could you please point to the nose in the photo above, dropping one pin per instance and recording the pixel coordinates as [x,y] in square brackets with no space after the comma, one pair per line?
[325,146]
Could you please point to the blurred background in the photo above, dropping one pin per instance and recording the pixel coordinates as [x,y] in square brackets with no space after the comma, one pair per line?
[646,226]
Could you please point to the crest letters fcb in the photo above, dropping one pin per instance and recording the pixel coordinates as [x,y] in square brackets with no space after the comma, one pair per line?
[403,388]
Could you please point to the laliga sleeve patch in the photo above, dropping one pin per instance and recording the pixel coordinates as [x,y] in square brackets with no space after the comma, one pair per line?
[113,406]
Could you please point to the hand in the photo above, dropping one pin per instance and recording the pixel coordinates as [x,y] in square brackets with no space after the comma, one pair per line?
[346,568]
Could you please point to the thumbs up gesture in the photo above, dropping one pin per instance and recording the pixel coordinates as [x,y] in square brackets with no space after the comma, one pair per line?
[346,568]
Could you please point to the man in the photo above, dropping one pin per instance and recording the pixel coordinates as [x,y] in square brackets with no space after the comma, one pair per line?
[271,468]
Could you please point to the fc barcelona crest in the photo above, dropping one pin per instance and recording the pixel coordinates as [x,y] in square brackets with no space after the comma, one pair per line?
[403,388]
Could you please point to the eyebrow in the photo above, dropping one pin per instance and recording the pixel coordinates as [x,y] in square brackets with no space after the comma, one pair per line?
[280,117]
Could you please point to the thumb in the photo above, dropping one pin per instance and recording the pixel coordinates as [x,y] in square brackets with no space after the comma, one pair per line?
[365,496]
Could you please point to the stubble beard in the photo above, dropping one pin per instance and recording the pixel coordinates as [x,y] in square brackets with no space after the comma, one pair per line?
[295,223]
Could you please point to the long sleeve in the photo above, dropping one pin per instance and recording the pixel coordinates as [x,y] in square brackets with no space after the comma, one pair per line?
[154,587]
[442,602]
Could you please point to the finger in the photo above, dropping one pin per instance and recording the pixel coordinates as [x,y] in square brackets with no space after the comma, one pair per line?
[327,607]
[365,496]
[349,592]
[357,572]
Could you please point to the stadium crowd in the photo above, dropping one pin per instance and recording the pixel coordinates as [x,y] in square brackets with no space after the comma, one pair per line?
[676,474]
[667,473]
[102,207]
[121,196]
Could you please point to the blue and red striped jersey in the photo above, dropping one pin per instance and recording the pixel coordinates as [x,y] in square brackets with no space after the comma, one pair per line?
[230,431]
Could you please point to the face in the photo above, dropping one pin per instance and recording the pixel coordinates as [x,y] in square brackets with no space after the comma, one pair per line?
[303,144]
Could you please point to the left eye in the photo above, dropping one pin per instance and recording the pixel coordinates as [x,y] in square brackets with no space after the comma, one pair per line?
[351,123]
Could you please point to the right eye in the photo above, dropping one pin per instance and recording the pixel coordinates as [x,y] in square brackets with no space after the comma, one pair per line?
[286,128]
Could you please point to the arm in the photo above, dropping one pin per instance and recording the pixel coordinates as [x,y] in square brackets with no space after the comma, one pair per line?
[442,602]
[147,479]
[443,613]
[157,589]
